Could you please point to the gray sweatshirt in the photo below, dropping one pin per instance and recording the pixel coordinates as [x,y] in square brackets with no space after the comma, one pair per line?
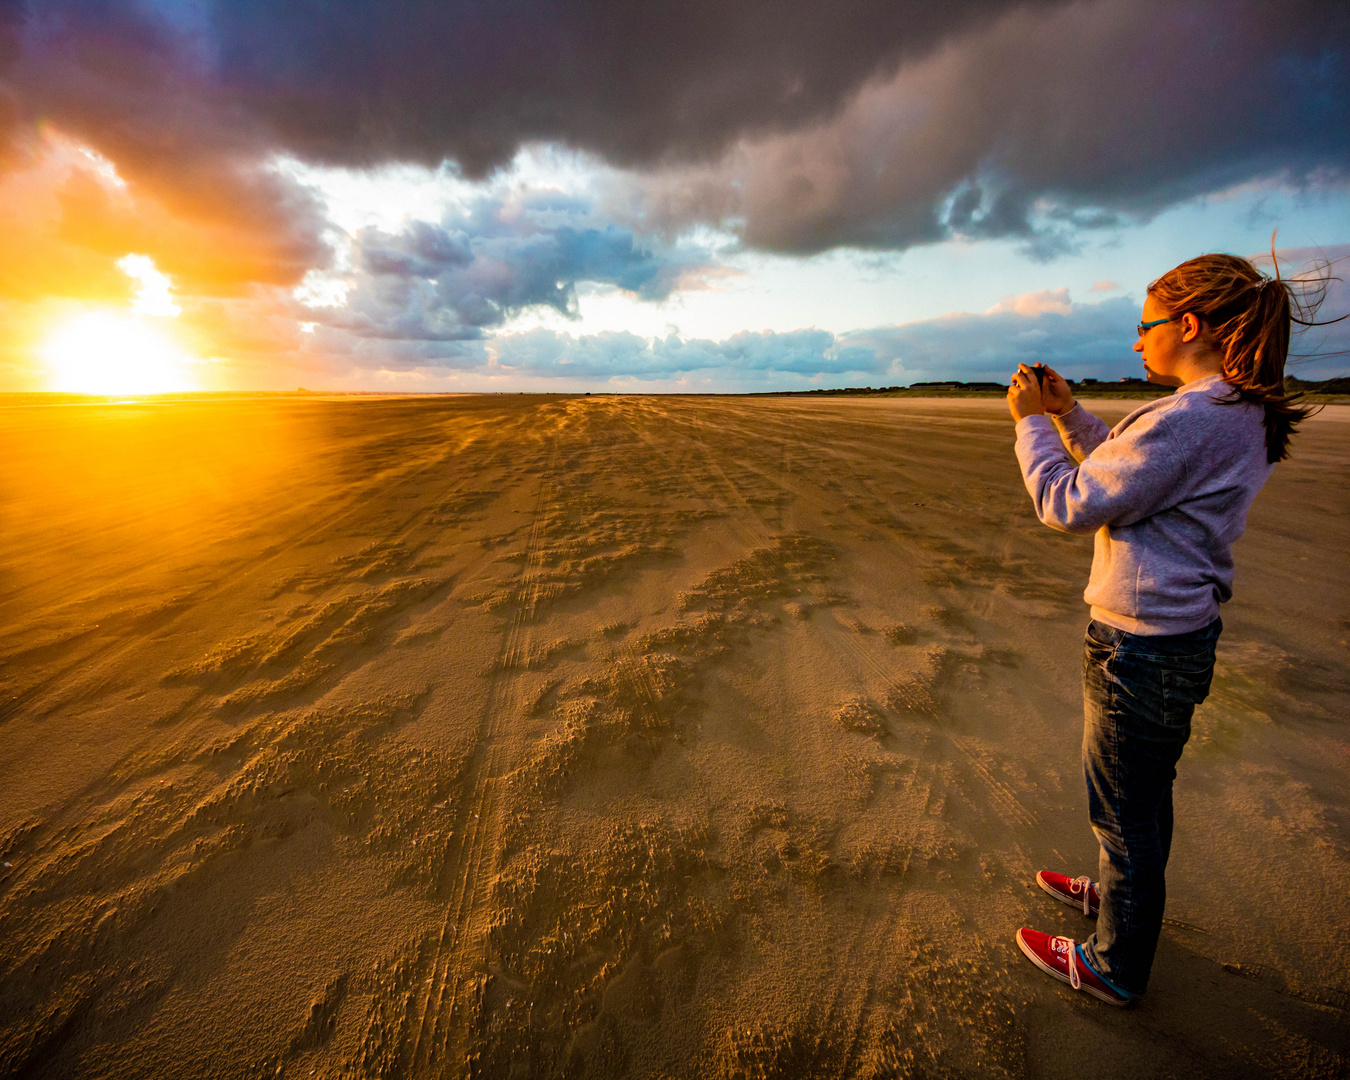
[1166,491]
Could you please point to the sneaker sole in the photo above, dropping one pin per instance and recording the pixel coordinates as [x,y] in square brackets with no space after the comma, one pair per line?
[1112,1000]
[1064,898]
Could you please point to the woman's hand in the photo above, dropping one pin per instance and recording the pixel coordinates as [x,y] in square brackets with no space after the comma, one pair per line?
[1024,395]
[1055,393]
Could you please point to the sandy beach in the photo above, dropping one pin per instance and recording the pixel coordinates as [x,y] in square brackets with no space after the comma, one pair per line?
[522,736]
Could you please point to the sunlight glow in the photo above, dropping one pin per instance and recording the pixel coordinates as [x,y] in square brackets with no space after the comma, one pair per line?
[109,352]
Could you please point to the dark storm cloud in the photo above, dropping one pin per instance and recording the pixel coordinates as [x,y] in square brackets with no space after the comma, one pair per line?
[872,124]
[1042,125]
[362,82]
[357,82]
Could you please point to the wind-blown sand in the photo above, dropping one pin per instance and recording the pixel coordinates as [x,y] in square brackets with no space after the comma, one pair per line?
[598,736]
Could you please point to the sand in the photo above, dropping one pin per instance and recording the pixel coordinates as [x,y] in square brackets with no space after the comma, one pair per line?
[619,736]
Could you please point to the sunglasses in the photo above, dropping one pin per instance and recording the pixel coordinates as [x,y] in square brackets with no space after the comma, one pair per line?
[1143,327]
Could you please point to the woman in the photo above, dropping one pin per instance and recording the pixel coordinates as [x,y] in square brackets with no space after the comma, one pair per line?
[1166,493]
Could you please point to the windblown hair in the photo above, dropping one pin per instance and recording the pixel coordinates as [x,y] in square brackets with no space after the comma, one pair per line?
[1248,315]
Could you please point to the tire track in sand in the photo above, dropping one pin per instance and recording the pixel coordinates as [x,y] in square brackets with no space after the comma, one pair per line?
[439,1030]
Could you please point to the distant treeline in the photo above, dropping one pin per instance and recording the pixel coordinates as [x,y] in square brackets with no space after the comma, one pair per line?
[952,386]
[1339,386]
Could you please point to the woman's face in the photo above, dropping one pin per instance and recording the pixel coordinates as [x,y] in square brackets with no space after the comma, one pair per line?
[1161,346]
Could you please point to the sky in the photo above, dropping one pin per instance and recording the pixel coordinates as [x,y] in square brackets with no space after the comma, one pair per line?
[680,196]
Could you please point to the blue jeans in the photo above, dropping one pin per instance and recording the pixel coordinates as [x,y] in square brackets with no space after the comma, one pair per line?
[1138,697]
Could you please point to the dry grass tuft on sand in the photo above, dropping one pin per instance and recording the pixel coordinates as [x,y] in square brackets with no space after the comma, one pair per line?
[622,737]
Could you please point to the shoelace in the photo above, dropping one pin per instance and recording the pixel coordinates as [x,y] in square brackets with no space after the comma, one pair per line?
[1085,884]
[1074,980]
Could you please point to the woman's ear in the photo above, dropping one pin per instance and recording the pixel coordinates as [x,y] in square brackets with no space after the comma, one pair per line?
[1190,327]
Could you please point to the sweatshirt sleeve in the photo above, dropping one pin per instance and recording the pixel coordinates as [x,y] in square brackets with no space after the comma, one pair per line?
[1136,473]
[1081,431]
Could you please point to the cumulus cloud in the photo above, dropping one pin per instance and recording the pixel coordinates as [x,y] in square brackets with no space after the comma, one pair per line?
[758,357]
[391,324]
[1086,340]
[485,261]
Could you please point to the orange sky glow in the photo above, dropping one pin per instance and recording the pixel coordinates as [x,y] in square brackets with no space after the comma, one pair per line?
[74,235]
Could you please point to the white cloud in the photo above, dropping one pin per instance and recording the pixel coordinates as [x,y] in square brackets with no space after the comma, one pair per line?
[319,290]
[1041,302]
[152,287]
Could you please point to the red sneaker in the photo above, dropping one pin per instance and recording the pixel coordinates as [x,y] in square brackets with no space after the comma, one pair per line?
[1079,891]
[1063,958]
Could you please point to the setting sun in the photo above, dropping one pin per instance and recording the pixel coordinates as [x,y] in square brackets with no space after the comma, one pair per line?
[109,352]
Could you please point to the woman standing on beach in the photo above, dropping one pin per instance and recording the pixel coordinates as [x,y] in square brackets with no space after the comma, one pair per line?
[1166,493]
